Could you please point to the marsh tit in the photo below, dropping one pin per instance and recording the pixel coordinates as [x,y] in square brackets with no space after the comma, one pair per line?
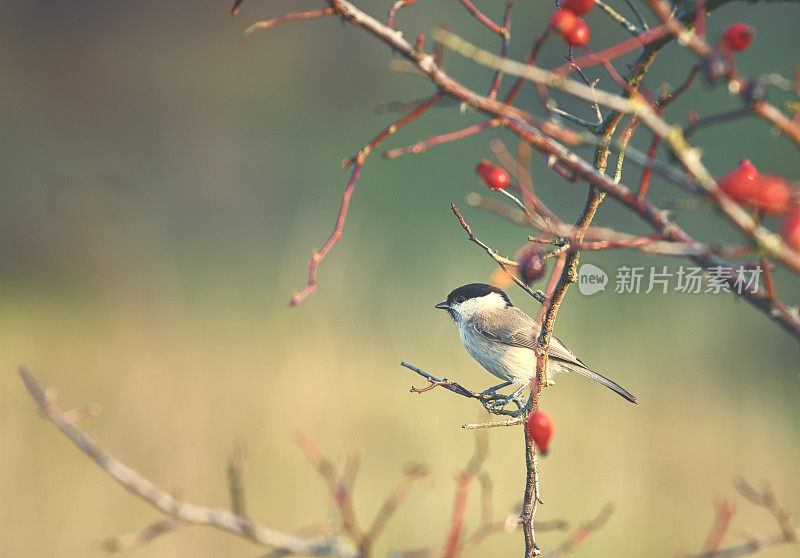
[503,339]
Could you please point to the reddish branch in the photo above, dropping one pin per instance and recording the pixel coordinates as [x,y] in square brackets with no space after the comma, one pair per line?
[539,135]
[724,512]
[736,83]
[435,382]
[484,19]
[393,10]
[421,146]
[498,76]
[583,532]
[454,533]
[312,14]
[358,162]
[550,140]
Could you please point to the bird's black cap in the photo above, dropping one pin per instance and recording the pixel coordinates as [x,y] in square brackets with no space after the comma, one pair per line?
[475,290]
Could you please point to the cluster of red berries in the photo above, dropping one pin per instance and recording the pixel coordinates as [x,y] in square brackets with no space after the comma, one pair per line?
[568,23]
[768,193]
[539,426]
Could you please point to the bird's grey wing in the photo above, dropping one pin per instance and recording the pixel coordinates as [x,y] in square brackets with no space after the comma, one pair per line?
[510,326]
[517,329]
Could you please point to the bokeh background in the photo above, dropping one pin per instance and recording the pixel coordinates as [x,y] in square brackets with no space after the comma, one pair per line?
[163,183]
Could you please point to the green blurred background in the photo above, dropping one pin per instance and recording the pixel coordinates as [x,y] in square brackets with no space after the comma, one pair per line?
[164,181]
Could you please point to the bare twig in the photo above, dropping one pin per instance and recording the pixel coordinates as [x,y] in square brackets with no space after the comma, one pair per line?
[393,10]
[483,18]
[498,76]
[357,161]
[766,499]
[411,473]
[87,411]
[165,502]
[312,14]
[237,464]
[142,537]
[501,261]
[581,534]
[451,547]
[724,513]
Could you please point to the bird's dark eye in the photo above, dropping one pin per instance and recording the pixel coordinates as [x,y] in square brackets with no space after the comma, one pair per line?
[460,299]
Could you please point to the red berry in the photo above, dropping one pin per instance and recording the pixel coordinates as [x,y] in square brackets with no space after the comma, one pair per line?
[563,21]
[539,426]
[737,36]
[773,194]
[768,192]
[578,35]
[493,176]
[747,169]
[531,265]
[791,228]
[578,7]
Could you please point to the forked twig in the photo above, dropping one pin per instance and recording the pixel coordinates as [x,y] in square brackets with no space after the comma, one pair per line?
[178,510]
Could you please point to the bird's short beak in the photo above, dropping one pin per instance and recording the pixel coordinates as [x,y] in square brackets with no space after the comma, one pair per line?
[443,306]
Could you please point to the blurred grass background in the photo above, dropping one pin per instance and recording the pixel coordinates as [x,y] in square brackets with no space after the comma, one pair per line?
[164,182]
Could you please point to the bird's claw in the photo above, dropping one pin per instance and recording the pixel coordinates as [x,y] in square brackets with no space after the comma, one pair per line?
[498,406]
[493,390]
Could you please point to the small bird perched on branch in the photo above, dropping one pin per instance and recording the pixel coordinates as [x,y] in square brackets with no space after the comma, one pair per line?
[503,339]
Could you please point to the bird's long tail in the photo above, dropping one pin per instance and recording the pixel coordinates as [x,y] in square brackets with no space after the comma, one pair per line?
[610,384]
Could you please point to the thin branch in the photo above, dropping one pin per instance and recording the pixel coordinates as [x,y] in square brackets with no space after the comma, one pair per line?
[494,424]
[143,536]
[237,464]
[532,497]
[452,543]
[768,241]
[392,128]
[450,386]
[583,532]
[618,17]
[312,14]
[138,485]
[766,499]
[501,261]
[484,19]
[637,12]
[339,489]
[81,413]
[421,146]
[498,76]
[736,84]
[357,161]
[724,511]
[393,10]
[411,473]
[336,235]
